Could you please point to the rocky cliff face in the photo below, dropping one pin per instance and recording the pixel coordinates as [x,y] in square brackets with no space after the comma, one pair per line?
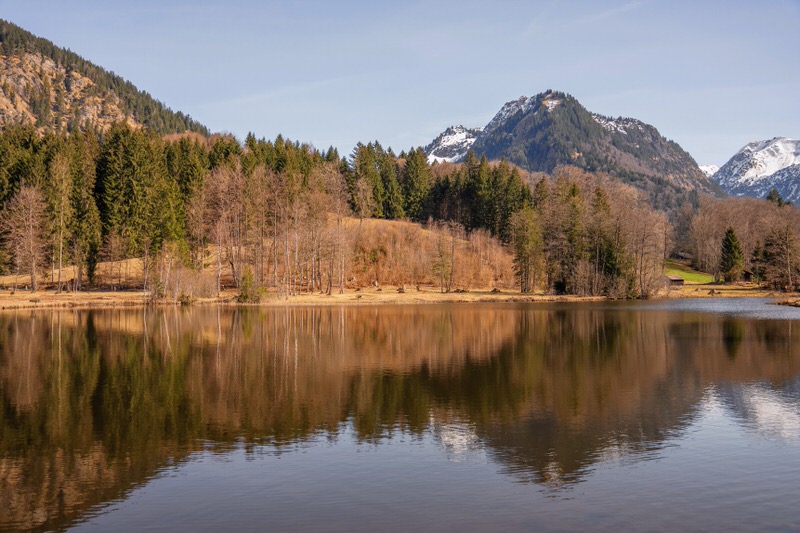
[56,90]
[35,90]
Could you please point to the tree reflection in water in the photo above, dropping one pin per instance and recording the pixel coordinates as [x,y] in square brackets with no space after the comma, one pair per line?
[96,402]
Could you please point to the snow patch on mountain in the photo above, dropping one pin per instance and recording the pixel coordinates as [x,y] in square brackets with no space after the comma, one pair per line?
[709,170]
[762,165]
[522,105]
[452,144]
[618,125]
[551,103]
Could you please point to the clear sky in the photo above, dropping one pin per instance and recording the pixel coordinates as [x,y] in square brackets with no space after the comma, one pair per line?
[709,74]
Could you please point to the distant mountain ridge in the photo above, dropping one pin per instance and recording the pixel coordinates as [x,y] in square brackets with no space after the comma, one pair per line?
[539,133]
[55,89]
[761,166]
[452,144]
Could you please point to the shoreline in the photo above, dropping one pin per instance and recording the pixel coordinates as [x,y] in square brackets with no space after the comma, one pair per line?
[49,299]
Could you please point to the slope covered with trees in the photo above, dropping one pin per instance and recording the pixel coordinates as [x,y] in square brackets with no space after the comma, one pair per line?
[283,216]
[57,90]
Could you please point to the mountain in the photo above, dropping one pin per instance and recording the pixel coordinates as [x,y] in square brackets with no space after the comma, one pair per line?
[539,133]
[55,89]
[761,166]
[709,170]
[452,144]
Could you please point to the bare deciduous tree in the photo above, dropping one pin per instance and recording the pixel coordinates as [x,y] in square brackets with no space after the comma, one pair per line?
[25,237]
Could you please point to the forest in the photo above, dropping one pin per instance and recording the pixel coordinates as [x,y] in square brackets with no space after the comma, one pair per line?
[275,217]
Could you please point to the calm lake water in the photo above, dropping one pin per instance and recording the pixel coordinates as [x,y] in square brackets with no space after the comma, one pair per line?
[656,416]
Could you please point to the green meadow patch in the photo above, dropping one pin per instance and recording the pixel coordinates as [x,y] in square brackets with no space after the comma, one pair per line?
[672,268]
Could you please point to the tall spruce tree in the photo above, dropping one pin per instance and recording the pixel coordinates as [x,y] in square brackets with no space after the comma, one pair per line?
[393,199]
[59,195]
[526,241]
[417,185]
[731,260]
[367,170]
[85,227]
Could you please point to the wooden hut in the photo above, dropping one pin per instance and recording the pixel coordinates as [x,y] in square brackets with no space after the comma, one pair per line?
[674,281]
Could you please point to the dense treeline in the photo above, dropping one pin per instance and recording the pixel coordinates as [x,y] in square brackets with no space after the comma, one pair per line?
[589,235]
[474,195]
[766,235]
[202,212]
[139,104]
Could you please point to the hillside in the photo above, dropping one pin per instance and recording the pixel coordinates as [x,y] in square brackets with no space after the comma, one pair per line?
[57,90]
[541,132]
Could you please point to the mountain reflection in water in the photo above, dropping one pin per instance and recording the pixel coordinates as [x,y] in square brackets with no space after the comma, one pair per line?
[95,403]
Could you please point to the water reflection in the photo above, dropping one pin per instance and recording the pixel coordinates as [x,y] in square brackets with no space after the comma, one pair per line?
[96,402]
[768,411]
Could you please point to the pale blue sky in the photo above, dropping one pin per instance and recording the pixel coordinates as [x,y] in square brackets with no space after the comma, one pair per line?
[711,75]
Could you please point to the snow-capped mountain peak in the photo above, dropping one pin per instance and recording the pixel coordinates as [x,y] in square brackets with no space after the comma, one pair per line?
[452,144]
[768,157]
[761,166]
[541,132]
[709,170]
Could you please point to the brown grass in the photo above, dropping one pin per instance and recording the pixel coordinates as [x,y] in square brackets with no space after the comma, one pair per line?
[370,296]
[713,290]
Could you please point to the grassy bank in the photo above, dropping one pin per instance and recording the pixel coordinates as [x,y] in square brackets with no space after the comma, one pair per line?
[698,285]
[383,295]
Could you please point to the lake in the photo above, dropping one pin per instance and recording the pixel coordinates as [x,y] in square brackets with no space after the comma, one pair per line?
[679,415]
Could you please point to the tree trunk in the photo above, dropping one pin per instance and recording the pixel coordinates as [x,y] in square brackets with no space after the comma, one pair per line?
[60,254]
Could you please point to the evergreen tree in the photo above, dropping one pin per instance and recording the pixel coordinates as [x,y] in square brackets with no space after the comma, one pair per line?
[541,192]
[187,162]
[225,151]
[85,227]
[601,248]
[775,197]
[112,168]
[59,195]
[731,259]
[366,169]
[526,241]
[417,185]
[393,199]
[511,194]
[484,196]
